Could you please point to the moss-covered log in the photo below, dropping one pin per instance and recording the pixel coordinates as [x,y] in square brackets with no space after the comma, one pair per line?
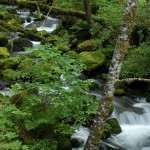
[54,10]
[27,33]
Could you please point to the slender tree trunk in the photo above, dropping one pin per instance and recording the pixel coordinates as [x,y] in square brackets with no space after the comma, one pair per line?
[114,70]
[87,9]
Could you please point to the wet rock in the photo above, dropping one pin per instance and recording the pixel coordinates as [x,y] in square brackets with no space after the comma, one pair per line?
[87,45]
[3,84]
[15,23]
[3,39]
[76,143]
[19,44]
[4,53]
[112,126]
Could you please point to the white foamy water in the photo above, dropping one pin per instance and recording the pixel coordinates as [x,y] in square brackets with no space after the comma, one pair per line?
[6,91]
[81,134]
[134,118]
[48,29]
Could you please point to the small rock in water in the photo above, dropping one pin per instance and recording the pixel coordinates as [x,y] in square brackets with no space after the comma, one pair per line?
[3,84]
[76,143]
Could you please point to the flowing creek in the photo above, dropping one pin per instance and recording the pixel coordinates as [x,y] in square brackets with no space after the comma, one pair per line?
[132,114]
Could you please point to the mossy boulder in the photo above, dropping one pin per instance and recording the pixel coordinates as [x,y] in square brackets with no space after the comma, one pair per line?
[11,63]
[63,48]
[15,23]
[4,14]
[4,53]
[2,29]
[3,39]
[42,33]
[87,45]
[19,44]
[72,54]
[8,75]
[112,126]
[92,60]
[119,92]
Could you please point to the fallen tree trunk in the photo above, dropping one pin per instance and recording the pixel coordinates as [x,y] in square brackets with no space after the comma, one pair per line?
[27,34]
[54,10]
[130,80]
[114,70]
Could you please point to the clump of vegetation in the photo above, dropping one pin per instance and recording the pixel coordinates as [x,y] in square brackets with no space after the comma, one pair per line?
[136,64]
[50,100]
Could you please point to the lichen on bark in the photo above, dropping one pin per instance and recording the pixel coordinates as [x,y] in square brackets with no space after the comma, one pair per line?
[114,70]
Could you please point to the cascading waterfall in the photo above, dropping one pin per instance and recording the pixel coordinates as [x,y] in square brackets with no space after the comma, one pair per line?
[134,118]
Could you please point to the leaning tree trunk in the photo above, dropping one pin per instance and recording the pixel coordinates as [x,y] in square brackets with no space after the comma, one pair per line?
[87,10]
[114,70]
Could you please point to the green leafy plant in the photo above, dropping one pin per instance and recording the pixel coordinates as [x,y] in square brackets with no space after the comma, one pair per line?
[137,63]
[50,99]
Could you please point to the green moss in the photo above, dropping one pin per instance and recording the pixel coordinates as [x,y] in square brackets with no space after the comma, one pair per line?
[8,75]
[92,59]
[3,39]
[72,53]
[33,30]
[112,126]
[63,48]
[87,45]
[115,126]
[53,38]
[2,29]
[11,63]
[4,53]
[4,14]
[103,76]
[15,23]
[119,92]
[42,33]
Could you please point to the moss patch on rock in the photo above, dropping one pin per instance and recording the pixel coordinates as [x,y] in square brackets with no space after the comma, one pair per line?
[42,33]
[112,126]
[8,75]
[92,60]
[119,92]
[72,54]
[4,53]
[87,45]
[3,39]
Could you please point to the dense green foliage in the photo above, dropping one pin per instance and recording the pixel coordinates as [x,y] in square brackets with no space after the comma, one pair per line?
[49,92]
[137,63]
[49,100]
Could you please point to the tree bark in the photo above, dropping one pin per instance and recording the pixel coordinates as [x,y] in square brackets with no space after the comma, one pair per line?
[121,49]
[87,10]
